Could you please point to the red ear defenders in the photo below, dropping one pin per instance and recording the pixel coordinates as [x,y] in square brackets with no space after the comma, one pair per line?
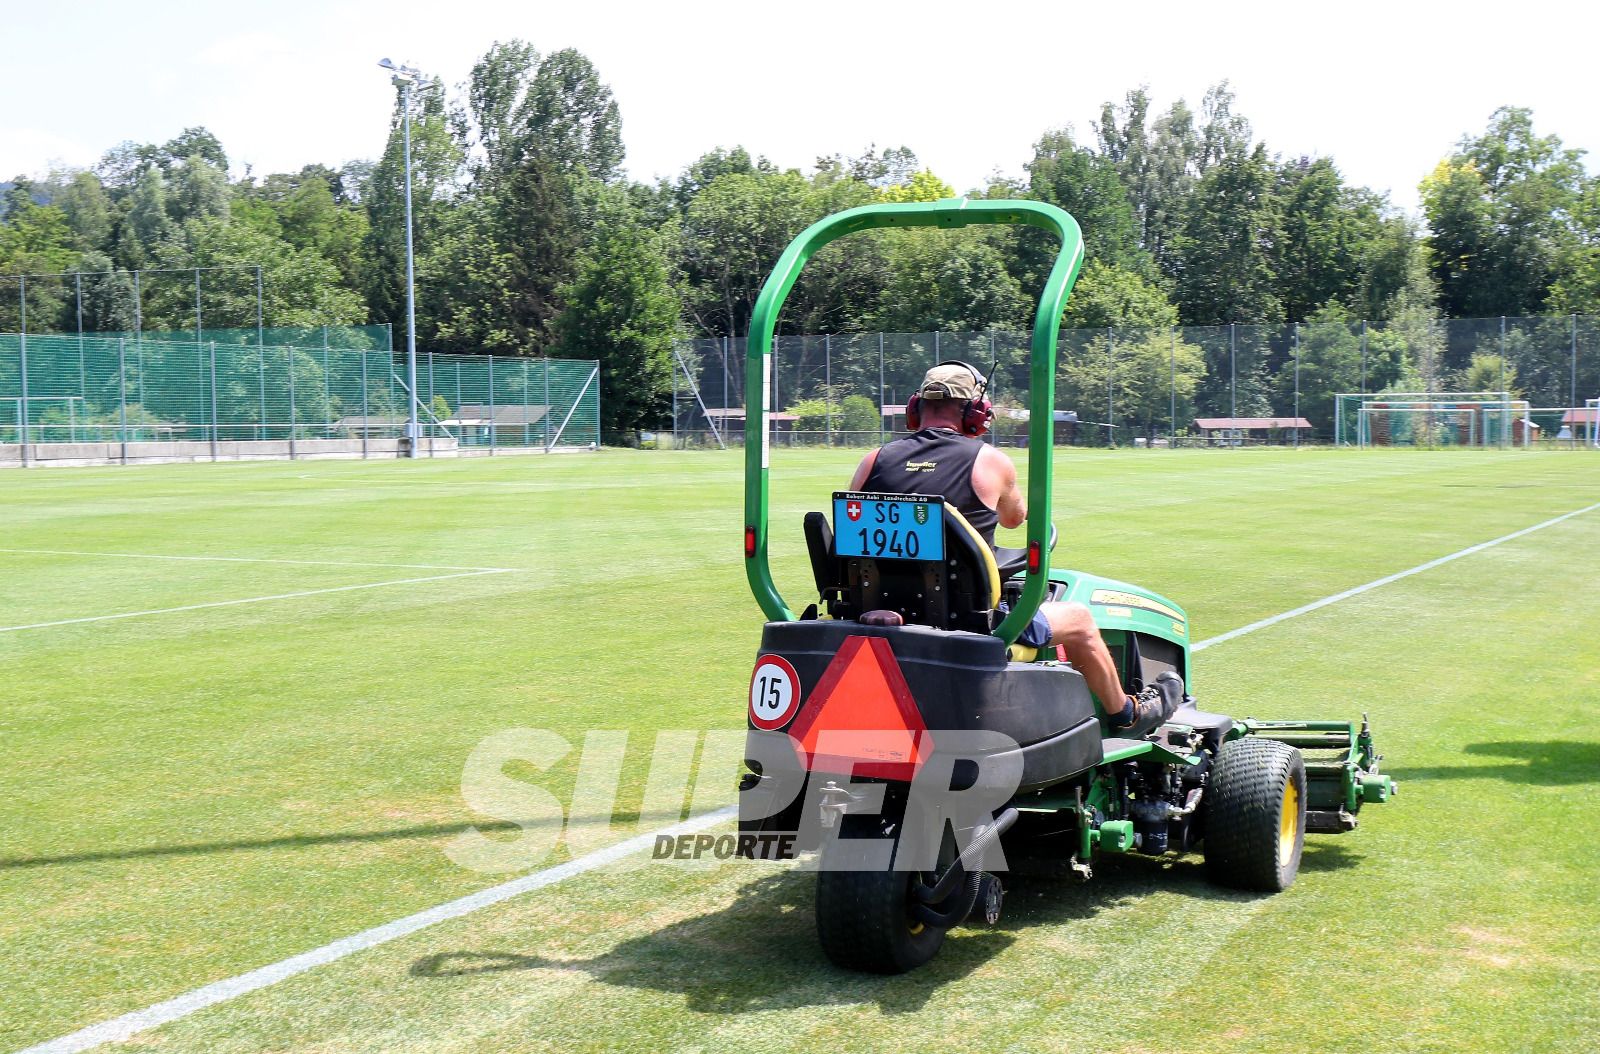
[976,414]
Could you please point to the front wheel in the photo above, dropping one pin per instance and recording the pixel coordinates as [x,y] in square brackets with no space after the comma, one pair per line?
[864,922]
[1255,817]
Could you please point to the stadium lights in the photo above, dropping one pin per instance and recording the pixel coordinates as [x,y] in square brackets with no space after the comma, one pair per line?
[405,77]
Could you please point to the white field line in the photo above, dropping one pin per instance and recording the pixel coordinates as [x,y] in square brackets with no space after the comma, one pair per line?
[250,600]
[1386,579]
[128,1025]
[253,560]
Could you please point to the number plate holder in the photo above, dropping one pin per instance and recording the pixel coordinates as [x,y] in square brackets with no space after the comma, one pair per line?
[888,526]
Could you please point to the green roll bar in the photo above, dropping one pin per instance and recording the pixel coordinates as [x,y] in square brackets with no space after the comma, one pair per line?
[953,212]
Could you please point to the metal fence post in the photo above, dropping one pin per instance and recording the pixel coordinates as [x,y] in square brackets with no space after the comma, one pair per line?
[293,415]
[597,404]
[724,385]
[1363,356]
[1173,357]
[493,422]
[213,400]
[675,364]
[122,396]
[83,371]
[1233,370]
[1297,384]
[22,362]
[527,436]
[1574,400]
[548,407]
[327,389]
[827,386]
[1111,368]
[881,438]
[366,421]
[261,356]
[198,339]
[994,367]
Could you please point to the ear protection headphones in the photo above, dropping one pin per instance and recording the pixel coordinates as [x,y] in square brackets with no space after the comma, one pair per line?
[976,414]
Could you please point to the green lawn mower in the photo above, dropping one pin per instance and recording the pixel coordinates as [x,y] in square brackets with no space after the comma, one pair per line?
[897,731]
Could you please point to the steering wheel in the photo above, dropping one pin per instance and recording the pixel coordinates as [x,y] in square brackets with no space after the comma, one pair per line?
[1014,561]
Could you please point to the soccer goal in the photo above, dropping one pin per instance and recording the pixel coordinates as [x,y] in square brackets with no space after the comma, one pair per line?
[1347,407]
[1429,427]
[1591,413]
[1459,419]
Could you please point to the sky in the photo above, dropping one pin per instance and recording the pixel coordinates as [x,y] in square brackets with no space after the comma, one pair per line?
[1385,89]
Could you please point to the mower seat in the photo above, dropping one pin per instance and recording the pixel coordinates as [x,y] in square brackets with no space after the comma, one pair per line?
[959,592]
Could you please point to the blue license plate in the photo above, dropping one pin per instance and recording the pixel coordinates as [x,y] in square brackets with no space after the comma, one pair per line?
[888,526]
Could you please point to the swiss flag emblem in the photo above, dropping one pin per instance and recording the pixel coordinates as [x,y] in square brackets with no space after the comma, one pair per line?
[852,509]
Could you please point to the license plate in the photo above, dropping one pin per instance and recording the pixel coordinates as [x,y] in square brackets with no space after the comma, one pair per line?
[888,526]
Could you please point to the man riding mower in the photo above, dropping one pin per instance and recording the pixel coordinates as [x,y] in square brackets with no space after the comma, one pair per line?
[920,709]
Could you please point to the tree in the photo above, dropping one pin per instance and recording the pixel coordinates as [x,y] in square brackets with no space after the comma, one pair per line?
[1087,186]
[301,288]
[1499,211]
[1107,295]
[1226,250]
[573,119]
[148,226]
[950,281]
[733,232]
[1139,375]
[436,157]
[198,190]
[492,279]
[1326,228]
[88,211]
[620,310]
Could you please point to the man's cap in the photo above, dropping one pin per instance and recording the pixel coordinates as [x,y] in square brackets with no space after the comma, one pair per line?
[950,380]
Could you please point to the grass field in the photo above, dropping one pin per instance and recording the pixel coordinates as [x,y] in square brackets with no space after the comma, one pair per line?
[188,795]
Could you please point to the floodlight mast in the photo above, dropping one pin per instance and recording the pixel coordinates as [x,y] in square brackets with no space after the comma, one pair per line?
[405,77]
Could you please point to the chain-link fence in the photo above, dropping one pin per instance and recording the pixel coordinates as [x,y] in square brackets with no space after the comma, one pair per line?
[1193,385]
[324,391]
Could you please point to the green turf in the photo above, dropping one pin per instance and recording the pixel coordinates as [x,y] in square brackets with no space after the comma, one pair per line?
[194,794]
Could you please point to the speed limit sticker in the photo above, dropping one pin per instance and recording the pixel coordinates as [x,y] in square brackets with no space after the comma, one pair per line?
[774,692]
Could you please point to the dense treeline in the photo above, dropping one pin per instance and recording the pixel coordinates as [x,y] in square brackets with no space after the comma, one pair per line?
[531,239]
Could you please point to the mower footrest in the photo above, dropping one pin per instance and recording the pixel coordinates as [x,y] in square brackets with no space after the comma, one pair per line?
[1329,821]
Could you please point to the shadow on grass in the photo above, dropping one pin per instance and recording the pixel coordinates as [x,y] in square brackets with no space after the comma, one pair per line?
[761,953]
[1555,762]
[288,841]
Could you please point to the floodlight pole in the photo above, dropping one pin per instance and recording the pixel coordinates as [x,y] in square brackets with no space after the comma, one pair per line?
[413,430]
[404,78]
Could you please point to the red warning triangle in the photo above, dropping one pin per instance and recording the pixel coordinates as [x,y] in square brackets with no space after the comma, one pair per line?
[861,717]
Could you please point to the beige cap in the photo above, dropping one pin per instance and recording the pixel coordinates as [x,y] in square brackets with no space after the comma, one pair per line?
[949,380]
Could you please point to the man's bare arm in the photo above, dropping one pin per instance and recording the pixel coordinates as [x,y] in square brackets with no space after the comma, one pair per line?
[863,470]
[997,481]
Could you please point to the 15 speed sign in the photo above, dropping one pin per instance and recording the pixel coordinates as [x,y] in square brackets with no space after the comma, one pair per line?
[774,692]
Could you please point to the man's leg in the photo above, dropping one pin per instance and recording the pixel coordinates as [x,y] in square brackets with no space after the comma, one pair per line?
[1072,627]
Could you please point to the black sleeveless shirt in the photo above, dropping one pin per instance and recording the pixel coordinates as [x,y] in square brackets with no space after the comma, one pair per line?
[935,461]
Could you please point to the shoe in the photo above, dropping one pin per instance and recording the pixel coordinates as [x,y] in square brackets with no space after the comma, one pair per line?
[1151,708]
[1170,688]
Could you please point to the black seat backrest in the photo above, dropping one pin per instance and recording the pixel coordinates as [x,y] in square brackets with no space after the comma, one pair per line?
[959,592]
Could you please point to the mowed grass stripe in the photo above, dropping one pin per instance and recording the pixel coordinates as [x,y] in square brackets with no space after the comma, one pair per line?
[320,753]
[1384,922]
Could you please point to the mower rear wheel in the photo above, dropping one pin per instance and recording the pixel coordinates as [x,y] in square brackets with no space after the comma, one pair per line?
[1255,815]
[864,922]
